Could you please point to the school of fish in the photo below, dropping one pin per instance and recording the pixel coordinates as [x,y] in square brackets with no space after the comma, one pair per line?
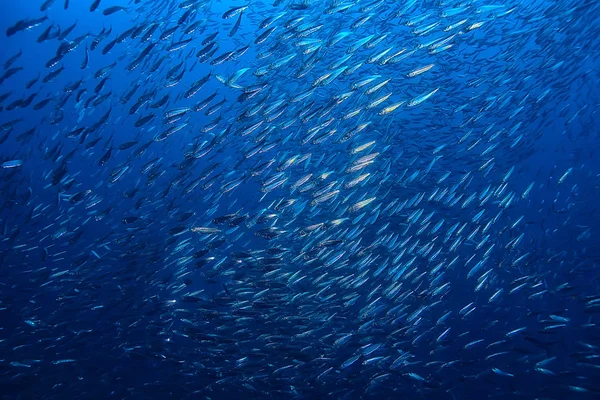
[336,199]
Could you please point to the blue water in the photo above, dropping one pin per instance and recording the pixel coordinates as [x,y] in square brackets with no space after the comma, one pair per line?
[253,253]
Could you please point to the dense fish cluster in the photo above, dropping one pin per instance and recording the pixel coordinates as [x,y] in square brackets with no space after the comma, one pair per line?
[336,199]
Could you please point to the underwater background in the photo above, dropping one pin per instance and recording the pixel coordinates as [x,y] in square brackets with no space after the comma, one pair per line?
[299,199]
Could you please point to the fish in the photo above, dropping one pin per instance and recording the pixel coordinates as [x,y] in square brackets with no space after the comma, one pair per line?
[25,24]
[94,5]
[46,5]
[232,12]
[11,164]
[300,199]
[236,26]
[11,60]
[113,9]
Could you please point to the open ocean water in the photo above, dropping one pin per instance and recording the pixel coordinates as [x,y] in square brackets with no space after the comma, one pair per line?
[296,199]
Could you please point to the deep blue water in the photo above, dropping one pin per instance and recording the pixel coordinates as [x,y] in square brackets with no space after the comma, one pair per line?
[336,200]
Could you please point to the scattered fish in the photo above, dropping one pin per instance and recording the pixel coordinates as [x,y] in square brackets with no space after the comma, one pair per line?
[300,200]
